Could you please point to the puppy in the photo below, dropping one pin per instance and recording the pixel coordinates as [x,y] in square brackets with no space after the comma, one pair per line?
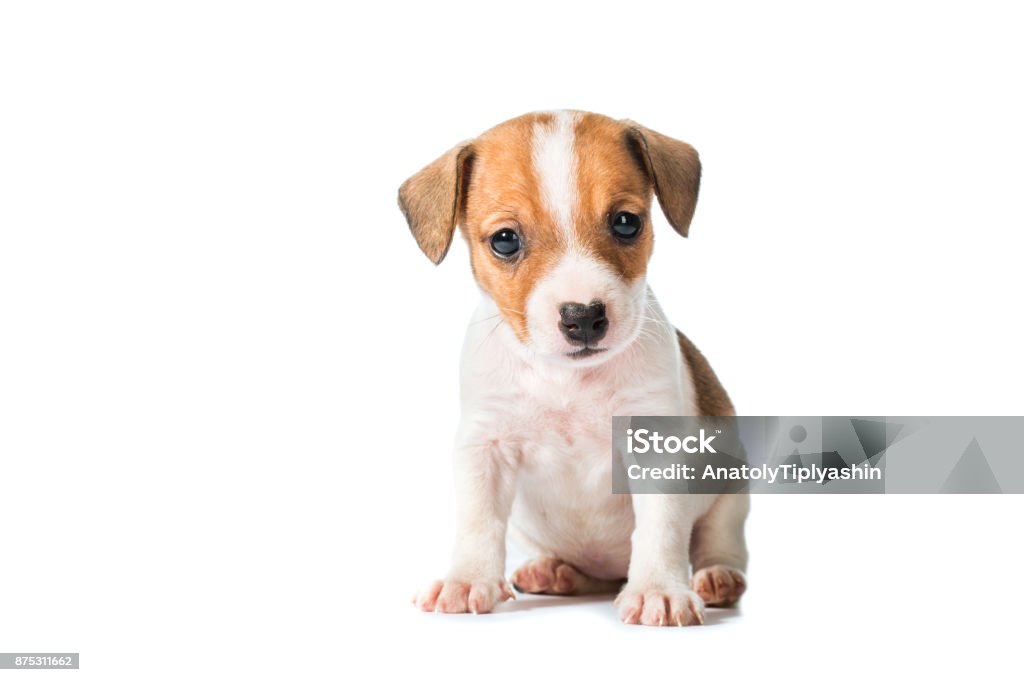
[556,210]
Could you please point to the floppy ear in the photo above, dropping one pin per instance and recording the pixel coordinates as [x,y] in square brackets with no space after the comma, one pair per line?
[431,201]
[675,169]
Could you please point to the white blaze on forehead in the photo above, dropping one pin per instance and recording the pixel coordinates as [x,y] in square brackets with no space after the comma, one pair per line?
[554,160]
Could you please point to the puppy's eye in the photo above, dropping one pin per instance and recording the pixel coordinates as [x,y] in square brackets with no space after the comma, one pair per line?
[505,243]
[626,226]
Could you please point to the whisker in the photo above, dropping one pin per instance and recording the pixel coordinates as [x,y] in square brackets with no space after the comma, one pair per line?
[484,340]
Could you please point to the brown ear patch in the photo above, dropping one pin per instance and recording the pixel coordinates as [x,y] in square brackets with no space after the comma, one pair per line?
[675,169]
[431,200]
[712,400]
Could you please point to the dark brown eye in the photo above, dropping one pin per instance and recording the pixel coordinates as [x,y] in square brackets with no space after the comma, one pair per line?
[626,226]
[505,243]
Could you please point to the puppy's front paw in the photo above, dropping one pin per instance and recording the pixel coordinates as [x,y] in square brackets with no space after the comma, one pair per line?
[719,585]
[660,605]
[463,596]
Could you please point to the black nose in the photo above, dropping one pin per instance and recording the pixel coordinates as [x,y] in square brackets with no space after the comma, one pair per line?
[583,325]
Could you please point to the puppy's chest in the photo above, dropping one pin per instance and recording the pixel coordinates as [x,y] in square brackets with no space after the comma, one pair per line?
[565,423]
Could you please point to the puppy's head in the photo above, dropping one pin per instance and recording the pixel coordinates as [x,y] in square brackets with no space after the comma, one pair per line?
[556,208]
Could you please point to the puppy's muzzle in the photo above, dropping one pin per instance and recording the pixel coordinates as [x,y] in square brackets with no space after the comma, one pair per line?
[583,325]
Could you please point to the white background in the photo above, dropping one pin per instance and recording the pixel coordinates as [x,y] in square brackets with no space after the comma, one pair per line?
[228,376]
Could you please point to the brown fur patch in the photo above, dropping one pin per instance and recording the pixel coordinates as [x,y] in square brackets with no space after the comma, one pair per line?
[608,181]
[504,192]
[712,400]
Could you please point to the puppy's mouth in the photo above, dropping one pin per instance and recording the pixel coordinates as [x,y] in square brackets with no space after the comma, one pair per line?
[585,352]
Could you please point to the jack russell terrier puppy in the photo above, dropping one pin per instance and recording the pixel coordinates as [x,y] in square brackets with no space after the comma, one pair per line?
[556,209]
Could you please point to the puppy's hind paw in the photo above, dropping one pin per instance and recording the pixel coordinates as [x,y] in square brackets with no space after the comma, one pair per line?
[675,606]
[463,596]
[719,585]
[547,576]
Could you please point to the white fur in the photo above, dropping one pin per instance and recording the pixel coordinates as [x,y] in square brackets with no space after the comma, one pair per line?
[554,162]
[549,426]
[533,459]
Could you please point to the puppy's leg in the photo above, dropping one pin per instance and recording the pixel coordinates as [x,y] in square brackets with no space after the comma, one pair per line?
[548,575]
[719,551]
[484,488]
[658,590]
